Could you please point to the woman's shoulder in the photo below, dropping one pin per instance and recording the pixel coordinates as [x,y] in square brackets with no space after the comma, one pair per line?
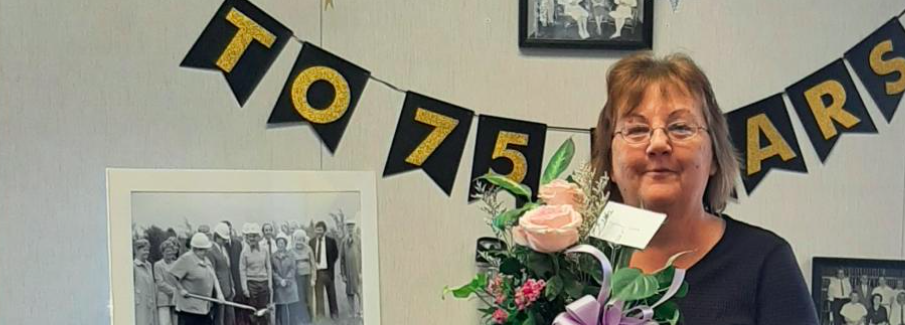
[741,234]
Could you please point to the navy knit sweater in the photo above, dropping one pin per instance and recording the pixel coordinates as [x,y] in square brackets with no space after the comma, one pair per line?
[749,277]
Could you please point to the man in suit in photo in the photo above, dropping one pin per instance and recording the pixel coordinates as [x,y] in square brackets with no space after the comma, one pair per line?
[326,253]
[219,257]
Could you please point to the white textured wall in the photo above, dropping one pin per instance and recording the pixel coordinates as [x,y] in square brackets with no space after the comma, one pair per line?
[86,85]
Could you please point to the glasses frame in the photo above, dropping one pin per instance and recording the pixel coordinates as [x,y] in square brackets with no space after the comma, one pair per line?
[650,135]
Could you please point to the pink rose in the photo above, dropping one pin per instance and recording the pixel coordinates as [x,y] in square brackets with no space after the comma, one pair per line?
[548,228]
[560,192]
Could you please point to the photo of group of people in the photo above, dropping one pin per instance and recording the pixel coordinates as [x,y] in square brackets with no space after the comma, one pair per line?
[585,19]
[247,258]
[862,296]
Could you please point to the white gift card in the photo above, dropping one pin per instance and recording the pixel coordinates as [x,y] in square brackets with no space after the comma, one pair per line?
[627,225]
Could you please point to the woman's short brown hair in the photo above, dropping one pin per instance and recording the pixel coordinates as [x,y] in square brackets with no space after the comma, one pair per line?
[627,82]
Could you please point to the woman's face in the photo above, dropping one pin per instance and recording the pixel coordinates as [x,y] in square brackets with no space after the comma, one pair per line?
[877,300]
[142,253]
[252,239]
[169,253]
[281,245]
[662,172]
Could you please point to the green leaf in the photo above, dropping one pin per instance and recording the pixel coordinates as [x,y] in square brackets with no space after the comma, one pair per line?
[507,184]
[683,291]
[631,284]
[559,162]
[511,266]
[575,289]
[510,217]
[664,277]
[476,285]
[529,320]
[666,311]
[539,263]
[553,288]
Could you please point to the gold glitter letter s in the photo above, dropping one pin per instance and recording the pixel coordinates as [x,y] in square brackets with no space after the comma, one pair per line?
[443,126]
[519,162]
[249,31]
[836,111]
[341,99]
[757,154]
[884,67]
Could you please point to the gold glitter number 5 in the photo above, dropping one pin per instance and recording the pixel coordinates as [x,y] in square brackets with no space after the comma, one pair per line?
[519,162]
[443,126]
[335,110]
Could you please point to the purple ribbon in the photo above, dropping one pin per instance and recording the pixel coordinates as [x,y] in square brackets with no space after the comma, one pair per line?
[588,311]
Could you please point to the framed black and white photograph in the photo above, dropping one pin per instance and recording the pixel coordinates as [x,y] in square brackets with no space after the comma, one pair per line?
[859,291]
[243,247]
[586,24]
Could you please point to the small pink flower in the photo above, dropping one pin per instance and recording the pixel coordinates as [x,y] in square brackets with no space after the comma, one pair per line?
[528,293]
[500,316]
[495,288]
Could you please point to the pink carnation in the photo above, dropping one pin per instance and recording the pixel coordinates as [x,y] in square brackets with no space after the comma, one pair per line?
[500,316]
[495,288]
[529,293]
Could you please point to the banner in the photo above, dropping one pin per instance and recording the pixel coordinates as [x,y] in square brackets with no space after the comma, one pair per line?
[509,147]
[762,132]
[242,42]
[322,89]
[879,61]
[430,136]
[828,105]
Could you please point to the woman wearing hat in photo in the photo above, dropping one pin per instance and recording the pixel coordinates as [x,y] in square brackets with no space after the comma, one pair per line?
[304,277]
[284,288]
[194,275]
[166,287]
[145,289]
[255,272]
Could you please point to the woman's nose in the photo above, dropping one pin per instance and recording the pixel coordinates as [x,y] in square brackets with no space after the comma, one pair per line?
[659,143]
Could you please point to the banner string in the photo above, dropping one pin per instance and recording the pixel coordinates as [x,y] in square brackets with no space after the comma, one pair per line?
[401,90]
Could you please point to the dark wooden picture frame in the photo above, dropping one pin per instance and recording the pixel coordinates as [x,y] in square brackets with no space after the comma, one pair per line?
[856,271]
[557,24]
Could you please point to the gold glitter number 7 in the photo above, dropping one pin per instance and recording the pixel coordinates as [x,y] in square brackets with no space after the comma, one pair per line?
[443,126]
[519,162]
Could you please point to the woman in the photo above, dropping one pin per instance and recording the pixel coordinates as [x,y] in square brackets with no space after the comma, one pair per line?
[145,290]
[664,142]
[166,289]
[580,14]
[877,314]
[624,11]
[285,290]
[304,277]
[194,275]
[255,273]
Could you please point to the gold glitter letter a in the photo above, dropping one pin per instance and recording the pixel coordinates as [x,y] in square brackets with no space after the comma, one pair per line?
[249,31]
[757,154]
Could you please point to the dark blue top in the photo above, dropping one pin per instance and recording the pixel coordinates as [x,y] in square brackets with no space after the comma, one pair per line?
[751,276]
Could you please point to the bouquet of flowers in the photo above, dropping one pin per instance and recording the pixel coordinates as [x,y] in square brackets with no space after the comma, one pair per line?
[539,277]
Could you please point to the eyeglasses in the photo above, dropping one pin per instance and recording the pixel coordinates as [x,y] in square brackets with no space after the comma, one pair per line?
[676,132]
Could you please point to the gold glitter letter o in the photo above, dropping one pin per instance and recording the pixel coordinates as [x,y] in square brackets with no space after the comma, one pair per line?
[335,110]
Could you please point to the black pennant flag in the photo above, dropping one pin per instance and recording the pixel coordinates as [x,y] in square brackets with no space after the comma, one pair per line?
[242,42]
[509,147]
[323,90]
[828,105]
[763,133]
[879,60]
[431,136]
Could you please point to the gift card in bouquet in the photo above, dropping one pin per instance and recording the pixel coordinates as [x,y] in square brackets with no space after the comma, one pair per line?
[627,225]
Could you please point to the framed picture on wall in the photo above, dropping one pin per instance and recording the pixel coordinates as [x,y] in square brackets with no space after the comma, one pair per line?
[586,24]
[859,291]
[298,246]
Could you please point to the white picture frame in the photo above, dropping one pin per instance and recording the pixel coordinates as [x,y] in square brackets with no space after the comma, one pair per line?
[125,184]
